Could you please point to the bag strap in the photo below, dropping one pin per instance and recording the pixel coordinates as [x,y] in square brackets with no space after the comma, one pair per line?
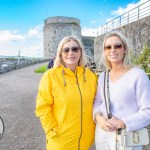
[106,93]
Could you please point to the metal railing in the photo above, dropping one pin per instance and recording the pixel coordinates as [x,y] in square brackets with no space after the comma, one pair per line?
[135,14]
[12,65]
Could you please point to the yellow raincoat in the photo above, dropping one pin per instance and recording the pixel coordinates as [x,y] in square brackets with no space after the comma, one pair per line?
[64,106]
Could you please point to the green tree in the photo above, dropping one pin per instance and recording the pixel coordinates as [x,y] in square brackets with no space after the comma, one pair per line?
[143,60]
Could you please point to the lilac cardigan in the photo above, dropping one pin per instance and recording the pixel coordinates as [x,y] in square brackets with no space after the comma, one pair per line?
[130,98]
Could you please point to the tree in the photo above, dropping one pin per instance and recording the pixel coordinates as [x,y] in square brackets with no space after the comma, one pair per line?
[143,59]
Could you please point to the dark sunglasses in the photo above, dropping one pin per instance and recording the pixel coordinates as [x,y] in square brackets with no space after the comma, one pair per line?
[74,49]
[116,46]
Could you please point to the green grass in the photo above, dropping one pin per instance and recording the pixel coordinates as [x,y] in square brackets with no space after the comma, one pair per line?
[41,69]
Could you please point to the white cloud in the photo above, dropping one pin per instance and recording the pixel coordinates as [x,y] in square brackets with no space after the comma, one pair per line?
[89,31]
[121,10]
[32,32]
[36,31]
[130,6]
[29,44]
[7,36]
[33,51]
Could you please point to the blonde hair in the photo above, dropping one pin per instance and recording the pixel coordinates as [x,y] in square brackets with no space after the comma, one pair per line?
[59,61]
[126,61]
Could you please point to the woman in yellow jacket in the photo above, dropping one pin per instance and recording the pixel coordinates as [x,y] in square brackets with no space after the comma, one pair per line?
[65,98]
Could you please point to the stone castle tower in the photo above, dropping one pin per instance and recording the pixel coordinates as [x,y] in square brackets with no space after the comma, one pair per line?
[55,29]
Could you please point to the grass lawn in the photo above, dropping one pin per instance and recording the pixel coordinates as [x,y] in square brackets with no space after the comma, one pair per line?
[41,69]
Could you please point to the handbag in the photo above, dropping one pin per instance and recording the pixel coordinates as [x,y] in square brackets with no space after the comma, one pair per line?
[134,138]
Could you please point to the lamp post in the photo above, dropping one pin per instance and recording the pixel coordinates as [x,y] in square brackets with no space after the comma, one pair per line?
[18,58]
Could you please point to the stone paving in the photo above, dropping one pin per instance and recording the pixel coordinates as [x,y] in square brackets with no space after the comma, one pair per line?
[23,131]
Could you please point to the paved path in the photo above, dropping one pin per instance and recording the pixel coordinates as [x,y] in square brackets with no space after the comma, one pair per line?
[18,90]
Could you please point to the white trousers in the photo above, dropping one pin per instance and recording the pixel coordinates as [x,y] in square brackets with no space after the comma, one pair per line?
[107,141]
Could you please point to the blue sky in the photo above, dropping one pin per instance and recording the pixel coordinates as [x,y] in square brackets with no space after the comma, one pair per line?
[21,21]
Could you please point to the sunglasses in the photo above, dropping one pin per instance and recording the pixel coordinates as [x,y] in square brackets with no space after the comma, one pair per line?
[116,46]
[74,49]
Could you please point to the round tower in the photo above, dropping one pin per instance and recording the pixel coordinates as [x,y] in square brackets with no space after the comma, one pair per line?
[55,29]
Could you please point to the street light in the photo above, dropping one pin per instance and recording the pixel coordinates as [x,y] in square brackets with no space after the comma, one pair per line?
[18,58]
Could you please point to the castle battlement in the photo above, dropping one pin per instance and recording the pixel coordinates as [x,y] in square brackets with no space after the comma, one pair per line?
[62,19]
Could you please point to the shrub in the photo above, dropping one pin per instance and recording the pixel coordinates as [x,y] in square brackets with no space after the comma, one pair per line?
[143,60]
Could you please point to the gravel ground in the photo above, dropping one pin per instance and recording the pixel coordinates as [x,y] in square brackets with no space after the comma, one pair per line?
[23,131]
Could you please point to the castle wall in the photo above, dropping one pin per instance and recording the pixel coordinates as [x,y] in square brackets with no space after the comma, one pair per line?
[55,29]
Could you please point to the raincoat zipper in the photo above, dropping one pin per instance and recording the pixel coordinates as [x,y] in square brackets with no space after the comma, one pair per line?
[81,111]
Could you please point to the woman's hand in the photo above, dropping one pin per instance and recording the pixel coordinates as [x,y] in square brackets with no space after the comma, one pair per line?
[117,123]
[103,123]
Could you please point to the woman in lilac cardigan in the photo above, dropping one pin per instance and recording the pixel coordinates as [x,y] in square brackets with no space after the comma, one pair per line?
[129,89]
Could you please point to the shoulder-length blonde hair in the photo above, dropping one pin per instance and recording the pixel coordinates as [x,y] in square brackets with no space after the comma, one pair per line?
[59,61]
[126,60]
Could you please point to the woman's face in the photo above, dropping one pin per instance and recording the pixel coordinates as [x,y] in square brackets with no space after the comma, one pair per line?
[114,50]
[71,54]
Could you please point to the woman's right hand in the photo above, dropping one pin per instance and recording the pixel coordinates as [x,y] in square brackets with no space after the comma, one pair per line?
[102,122]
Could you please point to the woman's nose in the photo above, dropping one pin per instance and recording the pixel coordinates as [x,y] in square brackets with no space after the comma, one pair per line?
[70,52]
[112,49]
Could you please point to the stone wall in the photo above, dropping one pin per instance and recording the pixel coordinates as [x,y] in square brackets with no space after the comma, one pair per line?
[137,33]
[88,43]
